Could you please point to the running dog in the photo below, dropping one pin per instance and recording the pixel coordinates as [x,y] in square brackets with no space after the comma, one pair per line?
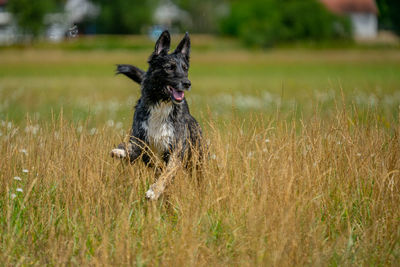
[162,126]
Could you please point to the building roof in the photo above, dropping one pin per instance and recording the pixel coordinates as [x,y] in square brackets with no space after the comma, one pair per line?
[351,6]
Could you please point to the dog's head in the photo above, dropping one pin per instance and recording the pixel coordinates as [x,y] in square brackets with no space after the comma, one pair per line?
[167,76]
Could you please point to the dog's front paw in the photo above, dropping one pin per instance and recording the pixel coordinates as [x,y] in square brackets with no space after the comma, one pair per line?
[118,153]
[153,193]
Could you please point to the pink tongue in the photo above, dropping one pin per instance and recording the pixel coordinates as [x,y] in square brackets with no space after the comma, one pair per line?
[178,95]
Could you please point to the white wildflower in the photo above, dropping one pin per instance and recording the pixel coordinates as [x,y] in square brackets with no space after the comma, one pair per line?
[213,156]
[112,105]
[79,129]
[267,140]
[110,123]
[32,129]
[17,178]
[19,190]
[25,171]
[23,151]
[93,131]
[13,196]
[249,102]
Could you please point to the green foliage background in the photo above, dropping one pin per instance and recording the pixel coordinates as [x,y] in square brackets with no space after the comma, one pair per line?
[256,22]
[29,15]
[205,14]
[389,11]
[124,16]
[266,22]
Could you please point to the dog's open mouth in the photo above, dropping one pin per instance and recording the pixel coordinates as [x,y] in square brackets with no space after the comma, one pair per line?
[176,95]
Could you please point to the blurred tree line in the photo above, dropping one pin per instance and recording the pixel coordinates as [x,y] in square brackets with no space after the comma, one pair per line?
[133,16]
[205,14]
[29,15]
[257,22]
[123,16]
[265,22]
[389,15]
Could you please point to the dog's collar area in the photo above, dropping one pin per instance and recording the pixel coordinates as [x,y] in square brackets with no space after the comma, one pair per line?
[176,95]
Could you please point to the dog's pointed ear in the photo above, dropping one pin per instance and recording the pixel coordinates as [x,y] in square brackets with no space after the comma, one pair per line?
[163,43]
[130,71]
[184,46]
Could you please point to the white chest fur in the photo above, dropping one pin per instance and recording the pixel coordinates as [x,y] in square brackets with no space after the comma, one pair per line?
[159,128]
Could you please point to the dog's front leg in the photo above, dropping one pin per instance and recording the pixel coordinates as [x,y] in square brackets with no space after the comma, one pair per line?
[128,150]
[165,178]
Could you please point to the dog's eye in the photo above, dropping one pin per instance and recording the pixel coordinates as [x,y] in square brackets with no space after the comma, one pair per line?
[170,67]
[184,67]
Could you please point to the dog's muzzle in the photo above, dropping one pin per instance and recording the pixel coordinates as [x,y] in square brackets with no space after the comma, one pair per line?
[176,95]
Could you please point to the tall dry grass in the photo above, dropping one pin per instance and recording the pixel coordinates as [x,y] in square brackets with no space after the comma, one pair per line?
[323,191]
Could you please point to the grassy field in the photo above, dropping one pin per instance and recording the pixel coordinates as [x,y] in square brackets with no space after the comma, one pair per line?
[303,167]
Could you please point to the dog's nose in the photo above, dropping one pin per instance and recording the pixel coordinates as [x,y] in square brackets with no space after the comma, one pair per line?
[186,84]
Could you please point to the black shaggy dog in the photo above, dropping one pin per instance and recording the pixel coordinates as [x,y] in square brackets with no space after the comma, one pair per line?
[162,124]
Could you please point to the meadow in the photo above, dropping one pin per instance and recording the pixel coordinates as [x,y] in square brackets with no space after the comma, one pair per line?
[303,165]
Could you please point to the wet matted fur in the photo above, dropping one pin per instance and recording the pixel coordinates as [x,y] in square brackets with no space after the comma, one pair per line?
[162,124]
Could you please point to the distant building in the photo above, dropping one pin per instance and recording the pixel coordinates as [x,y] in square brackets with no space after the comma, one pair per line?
[57,25]
[362,13]
[7,28]
[61,24]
